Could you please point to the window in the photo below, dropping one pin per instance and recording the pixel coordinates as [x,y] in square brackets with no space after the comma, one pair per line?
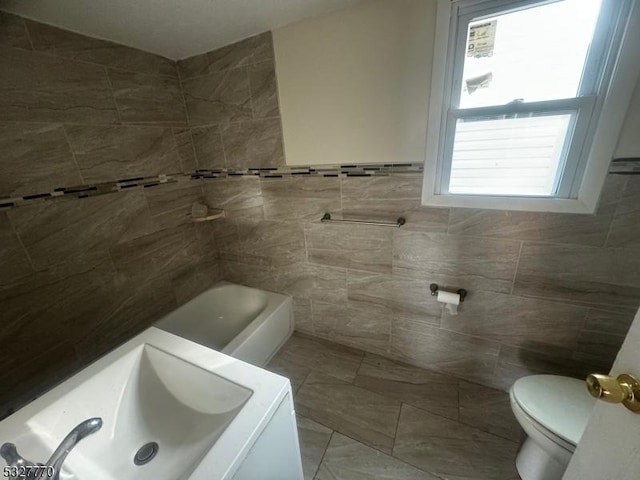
[524,84]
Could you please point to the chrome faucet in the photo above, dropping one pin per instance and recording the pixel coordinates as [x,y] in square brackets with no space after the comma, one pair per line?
[26,470]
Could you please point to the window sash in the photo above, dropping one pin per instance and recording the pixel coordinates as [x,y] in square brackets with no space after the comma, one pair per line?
[583,107]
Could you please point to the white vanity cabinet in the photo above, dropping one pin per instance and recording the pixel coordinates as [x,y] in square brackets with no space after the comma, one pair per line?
[276,453]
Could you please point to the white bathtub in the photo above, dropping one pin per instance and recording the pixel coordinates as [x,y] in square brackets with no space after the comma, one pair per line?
[242,322]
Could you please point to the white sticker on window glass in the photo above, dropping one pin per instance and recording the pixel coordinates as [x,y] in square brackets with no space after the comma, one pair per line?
[482,38]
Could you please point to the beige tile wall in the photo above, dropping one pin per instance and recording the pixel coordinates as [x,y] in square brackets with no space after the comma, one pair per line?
[231,96]
[548,293]
[79,276]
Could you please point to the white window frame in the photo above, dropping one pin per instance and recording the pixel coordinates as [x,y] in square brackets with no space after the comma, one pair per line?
[588,169]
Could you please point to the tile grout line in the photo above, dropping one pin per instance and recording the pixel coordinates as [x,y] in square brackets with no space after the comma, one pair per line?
[515,272]
[162,125]
[187,118]
[253,107]
[26,29]
[113,95]
[24,248]
[458,421]
[395,433]
[315,473]
[458,391]
[224,150]
[73,154]
[85,62]
[238,122]
[615,213]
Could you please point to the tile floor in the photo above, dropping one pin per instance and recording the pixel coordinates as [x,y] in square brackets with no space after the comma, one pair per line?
[361,416]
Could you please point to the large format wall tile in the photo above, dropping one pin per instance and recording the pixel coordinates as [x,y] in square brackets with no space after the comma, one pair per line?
[472,358]
[425,219]
[218,98]
[42,88]
[35,159]
[69,300]
[273,243]
[381,196]
[13,32]
[165,253]
[602,336]
[600,348]
[516,362]
[315,282]
[63,43]
[225,240]
[390,197]
[54,232]
[451,450]
[195,280]
[193,66]
[253,143]
[14,262]
[256,276]
[147,99]
[421,388]
[134,308]
[120,152]
[299,198]
[625,229]
[534,226]
[302,315]
[246,52]
[358,247]
[18,84]
[38,372]
[582,275]
[615,323]
[456,261]
[393,295]
[264,90]
[347,459]
[207,143]
[353,411]
[520,321]
[169,197]
[185,149]
[359,327]
[238,197]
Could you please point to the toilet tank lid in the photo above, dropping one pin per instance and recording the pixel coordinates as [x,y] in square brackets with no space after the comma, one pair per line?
[562,405]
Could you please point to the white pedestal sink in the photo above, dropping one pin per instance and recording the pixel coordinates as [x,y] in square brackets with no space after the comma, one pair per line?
[210,415]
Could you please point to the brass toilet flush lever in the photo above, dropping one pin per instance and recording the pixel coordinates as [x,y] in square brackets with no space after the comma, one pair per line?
[624,389]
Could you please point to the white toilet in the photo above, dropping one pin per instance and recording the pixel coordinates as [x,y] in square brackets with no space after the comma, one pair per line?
[553,411]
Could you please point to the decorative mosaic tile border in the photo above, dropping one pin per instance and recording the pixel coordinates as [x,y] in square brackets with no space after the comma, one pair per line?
[318,171]
[621,166]
[84,191]
[625,166]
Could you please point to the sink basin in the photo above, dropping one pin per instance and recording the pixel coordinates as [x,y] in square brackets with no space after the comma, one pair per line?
[156,388]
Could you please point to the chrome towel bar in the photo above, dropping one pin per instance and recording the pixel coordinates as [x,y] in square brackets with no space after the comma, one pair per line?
[397,224]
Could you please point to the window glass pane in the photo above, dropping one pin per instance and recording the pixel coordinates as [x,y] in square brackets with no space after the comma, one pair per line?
[508,156]
[528,55]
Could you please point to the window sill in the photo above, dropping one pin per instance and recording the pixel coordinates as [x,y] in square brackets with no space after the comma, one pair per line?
[558,205]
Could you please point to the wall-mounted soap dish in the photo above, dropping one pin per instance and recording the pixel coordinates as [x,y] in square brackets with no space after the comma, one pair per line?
[202,213]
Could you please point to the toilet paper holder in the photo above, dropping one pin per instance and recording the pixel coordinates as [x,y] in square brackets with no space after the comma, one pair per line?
[434,291]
